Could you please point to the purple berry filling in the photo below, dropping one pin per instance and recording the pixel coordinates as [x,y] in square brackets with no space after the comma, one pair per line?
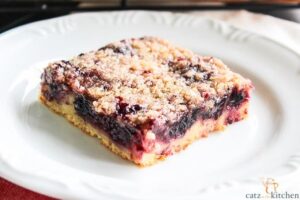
[178,129]
[127,135]
[121,133]
[55,92]
[237,97]
[124,108]
[123,48]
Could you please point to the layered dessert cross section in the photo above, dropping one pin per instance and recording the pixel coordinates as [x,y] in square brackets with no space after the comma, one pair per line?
[144,98]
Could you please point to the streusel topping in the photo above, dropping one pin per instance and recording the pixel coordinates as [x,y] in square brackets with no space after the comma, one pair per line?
[146,78]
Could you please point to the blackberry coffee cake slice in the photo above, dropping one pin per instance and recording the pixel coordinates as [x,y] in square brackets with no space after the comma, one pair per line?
[145,98]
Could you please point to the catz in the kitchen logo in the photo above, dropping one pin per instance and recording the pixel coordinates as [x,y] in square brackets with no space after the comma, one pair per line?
[271,191]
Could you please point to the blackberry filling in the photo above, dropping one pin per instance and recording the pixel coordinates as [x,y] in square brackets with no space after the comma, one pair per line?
[237,97]
[121,48]
[54,91]
[123,108]
[121,133]
[179,128]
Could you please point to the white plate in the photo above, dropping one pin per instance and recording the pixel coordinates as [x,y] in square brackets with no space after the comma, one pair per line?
[42,152]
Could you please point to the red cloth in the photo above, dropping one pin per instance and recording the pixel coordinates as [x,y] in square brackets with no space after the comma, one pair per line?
[10,191]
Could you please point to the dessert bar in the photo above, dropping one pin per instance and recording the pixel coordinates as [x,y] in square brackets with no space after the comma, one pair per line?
[144,98]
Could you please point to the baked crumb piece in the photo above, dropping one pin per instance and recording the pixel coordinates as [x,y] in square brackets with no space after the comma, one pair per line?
[147,87]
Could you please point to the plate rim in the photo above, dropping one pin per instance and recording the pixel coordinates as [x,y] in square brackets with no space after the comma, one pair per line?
[7,34]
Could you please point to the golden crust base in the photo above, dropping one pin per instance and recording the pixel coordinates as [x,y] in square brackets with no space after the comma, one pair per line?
[198,130]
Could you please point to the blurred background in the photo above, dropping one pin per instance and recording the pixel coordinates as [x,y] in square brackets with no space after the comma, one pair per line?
[17,12]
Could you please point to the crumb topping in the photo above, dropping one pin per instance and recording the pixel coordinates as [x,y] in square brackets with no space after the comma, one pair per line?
[144,79]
